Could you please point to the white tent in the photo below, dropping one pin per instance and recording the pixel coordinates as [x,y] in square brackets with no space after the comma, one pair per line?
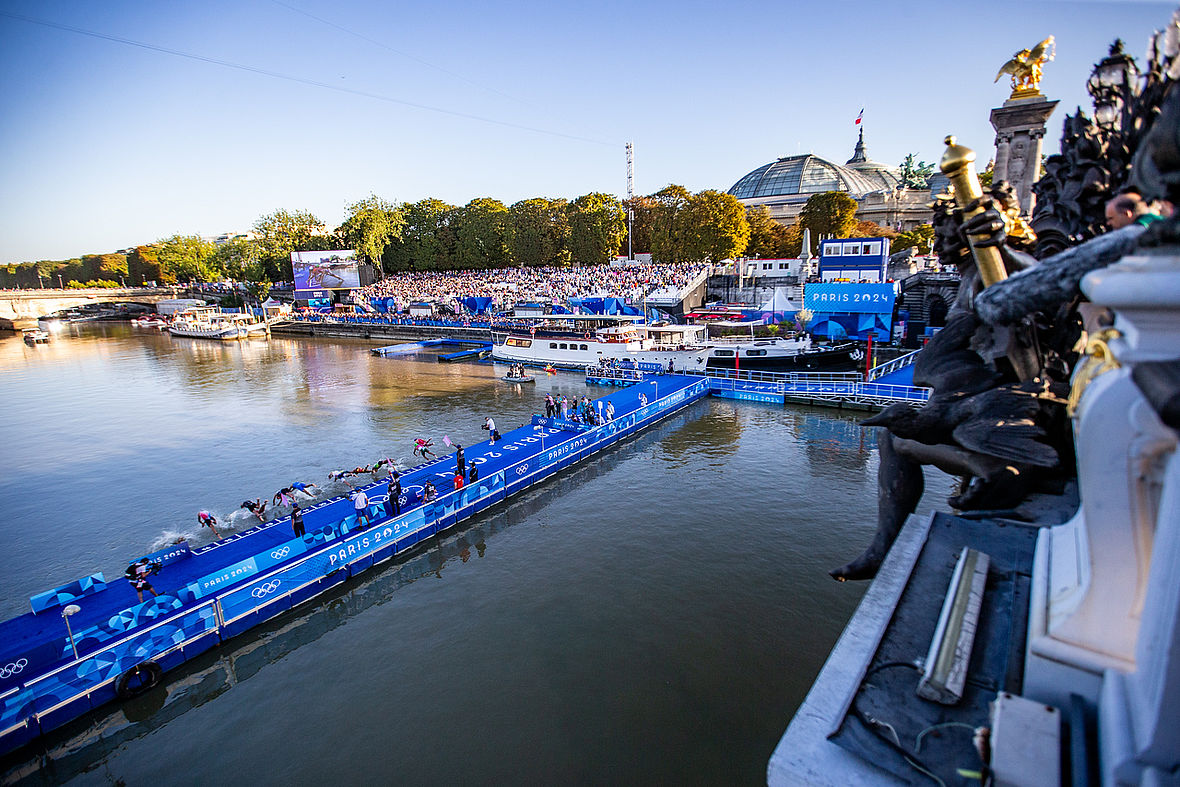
[779,302]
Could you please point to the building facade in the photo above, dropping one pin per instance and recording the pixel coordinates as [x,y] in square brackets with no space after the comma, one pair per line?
[785,185]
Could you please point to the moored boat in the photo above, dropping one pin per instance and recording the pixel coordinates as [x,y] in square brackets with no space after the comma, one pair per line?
[574,342]
[209,323]
[150,321]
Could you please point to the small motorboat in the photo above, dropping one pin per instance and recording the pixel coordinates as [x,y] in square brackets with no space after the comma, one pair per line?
[518,379]
[36,336]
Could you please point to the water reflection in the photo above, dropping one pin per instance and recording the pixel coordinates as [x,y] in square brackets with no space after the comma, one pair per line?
[84,744]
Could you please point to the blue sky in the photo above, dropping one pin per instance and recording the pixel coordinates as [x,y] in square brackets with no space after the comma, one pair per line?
[105,145]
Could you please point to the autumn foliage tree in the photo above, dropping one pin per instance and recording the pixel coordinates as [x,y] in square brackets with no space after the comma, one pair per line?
[831,214]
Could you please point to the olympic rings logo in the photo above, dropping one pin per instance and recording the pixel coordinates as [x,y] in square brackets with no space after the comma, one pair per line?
[521,469]
[265,590]
[279,554]
[16,667]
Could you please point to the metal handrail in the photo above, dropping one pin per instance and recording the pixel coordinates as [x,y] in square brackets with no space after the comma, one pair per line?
[889,367]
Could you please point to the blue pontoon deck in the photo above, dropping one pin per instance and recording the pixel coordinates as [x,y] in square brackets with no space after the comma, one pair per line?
[219,590]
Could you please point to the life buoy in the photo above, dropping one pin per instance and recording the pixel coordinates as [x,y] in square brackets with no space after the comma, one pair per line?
[139,679]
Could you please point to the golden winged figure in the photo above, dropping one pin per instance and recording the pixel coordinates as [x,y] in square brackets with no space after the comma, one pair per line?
[1025,67]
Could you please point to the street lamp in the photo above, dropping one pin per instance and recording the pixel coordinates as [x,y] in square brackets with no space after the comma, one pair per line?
[72,609]
[1112,84]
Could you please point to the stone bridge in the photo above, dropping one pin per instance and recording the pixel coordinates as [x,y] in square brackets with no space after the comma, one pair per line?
[21,308]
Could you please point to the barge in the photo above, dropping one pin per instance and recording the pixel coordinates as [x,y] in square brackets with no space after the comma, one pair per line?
[87,643]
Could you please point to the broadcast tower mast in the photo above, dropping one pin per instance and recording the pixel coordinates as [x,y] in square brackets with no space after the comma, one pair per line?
[630,196]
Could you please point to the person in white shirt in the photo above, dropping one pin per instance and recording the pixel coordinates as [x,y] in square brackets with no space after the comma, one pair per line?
[360,502]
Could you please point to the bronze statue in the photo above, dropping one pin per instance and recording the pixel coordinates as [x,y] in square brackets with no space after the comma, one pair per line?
[1026,68]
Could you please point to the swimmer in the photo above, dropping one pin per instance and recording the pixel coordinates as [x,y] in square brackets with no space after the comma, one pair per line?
[422,447]
[309,489]
[283,497]
[255,507]
[340,475]
[208,520]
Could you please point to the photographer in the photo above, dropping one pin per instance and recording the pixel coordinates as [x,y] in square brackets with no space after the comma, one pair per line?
[137,574]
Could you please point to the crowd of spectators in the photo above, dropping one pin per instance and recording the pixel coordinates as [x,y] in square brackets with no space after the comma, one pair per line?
[527,285]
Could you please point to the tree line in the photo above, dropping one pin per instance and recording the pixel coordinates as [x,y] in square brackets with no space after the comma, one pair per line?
[673,225]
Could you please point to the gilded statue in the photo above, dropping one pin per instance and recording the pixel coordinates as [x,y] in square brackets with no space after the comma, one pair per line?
[1025,68]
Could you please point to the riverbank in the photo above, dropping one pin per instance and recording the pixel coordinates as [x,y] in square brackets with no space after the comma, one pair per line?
[345,330]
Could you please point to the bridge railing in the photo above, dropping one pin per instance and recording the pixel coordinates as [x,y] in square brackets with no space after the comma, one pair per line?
[774,377]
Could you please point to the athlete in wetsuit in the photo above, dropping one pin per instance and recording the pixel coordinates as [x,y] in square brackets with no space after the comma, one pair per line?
[255,507]
[208,520]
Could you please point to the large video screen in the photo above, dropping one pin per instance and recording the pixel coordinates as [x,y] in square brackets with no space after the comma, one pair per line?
[325,270]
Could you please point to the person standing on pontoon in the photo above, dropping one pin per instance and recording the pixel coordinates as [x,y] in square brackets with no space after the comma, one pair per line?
[360,502]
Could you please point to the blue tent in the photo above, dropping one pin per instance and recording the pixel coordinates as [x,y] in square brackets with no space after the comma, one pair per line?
[589,305]
[476,305]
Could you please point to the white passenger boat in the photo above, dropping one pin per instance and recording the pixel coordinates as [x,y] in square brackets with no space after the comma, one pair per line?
[209,323]
[36,336]
[577,341]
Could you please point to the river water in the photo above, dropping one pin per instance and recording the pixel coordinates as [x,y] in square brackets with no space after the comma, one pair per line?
[654,614]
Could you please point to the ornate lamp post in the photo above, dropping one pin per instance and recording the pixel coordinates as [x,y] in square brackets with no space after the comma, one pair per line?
[1113,85]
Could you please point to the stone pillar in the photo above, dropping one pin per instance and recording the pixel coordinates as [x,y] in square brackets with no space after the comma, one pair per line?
[1000,167]
[1020,127]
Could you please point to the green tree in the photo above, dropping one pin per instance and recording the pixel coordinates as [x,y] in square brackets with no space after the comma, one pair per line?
[598,225]
[985,177]
[642,224]
[143,264]
[481,235]
[669,227]
[187,258]
[372,226]
[108,267]
[539,232]
[831,214]
[920,237]
[793,241]
[717,227]
[427,243]
[280,233]
[768,238]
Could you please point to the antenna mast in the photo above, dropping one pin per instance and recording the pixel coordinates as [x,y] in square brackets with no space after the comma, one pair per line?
[630,196]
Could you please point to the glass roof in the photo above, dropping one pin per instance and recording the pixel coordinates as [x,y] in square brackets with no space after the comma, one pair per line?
[806,174]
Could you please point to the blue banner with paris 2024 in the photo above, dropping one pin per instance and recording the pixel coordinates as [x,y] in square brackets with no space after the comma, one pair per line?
[834,297]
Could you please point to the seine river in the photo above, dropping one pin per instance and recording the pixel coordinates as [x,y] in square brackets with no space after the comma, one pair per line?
[654,615]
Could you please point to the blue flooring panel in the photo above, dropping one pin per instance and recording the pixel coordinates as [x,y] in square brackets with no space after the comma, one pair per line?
[222,589]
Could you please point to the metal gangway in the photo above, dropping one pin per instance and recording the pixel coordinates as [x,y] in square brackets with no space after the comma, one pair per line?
[889,367]
[838,389]
[834,389]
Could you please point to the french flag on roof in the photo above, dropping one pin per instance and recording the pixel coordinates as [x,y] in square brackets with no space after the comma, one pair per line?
[859,117]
